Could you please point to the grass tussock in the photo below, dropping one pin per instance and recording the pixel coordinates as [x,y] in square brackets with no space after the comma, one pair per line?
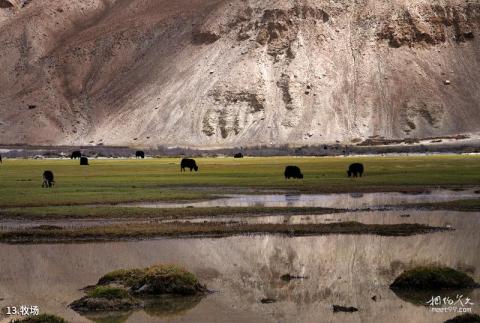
[156,280]
[153,283]
[108,292]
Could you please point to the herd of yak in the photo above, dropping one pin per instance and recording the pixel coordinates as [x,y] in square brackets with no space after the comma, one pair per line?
[354,170]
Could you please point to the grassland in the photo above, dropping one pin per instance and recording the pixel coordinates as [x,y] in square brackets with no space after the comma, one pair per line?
[213,229]
[460,205]
[115,181]
[106,212]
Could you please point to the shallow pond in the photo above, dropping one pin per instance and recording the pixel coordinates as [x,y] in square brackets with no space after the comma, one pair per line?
[340,269]
[345,201]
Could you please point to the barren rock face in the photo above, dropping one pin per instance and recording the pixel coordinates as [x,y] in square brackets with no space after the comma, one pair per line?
[211,73]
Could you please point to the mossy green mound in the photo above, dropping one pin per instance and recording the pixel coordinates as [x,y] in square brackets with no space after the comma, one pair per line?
[89,304]
[156,280]
[119,289]
[105,298]
[108,292]
[433,277]
[43,318]
[465,318]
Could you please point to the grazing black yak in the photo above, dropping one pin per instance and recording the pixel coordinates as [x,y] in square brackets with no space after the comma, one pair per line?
[188,163]
[48,179]
[1,159]
[293,172]
[355,170]
[140,154]
[239,155]
[84,161]
[76,154]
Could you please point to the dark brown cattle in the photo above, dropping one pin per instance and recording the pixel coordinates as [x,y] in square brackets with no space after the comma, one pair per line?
[355,170]
[293,172]
[48,179]
[188,163]
[76,154]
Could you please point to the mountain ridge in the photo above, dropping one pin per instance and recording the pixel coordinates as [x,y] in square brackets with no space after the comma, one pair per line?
[213,73]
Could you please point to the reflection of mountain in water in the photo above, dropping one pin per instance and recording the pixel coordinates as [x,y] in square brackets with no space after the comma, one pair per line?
[292,199]
[341,200]
[171,307]
[341,269]
[356,195]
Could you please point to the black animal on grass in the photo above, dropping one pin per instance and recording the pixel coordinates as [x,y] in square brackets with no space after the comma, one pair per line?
[188,163]
[293,172]
[140,154]
[355,170]
[84,161]
[48,179]
[239,155]
[1,159]
[76,154]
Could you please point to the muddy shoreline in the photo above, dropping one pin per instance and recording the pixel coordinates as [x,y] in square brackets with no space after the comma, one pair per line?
[209,230]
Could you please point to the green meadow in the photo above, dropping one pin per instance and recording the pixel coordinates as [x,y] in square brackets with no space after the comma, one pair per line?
[115,180]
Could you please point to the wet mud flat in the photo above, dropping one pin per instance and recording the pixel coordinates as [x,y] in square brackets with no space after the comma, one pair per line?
[368,213]
[291,215]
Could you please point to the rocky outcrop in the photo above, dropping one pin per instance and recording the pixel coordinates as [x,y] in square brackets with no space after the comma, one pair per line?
[431,25]
[5,4]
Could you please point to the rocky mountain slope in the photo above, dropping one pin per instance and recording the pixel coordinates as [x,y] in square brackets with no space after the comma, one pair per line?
[213,73]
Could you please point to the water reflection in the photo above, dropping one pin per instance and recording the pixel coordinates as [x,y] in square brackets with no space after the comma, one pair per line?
[346,270]
[165,308]
[356,195]
[345,201]
[292,199]
[171,307]
[113,317]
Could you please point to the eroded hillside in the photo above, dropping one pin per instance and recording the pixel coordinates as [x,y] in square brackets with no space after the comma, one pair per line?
[242,72]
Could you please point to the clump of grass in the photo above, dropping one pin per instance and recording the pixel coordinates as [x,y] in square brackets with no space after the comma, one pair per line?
[42,318]
[465,318]
[433,278]
[152,281]
[105,299]
[126,277]
[156,280]
[108,292]
[470,205]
